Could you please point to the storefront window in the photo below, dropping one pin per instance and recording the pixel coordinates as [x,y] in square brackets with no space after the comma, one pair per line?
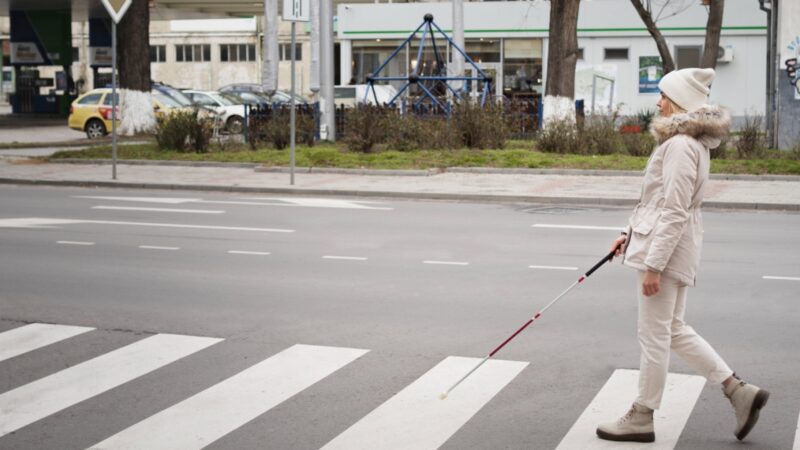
[522,67]
[368,57]
[483,50]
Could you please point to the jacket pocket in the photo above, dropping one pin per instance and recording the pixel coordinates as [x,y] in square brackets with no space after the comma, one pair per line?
[644,222]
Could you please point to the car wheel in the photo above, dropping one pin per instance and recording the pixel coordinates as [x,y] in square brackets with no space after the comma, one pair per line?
[95,128]
[235,125]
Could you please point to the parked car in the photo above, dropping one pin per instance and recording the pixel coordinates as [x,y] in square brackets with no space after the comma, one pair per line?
[176,95]
[91,112]
[230,109]
[251,98]
[353,94]
[253,88]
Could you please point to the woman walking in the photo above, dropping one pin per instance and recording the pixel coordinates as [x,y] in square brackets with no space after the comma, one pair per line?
[663,243]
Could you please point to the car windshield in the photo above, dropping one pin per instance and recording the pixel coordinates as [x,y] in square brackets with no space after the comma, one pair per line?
[218,97]
[234,100]
[166,100]
[176,95]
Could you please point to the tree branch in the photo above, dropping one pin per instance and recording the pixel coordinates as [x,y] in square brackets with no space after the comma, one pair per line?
[661,43]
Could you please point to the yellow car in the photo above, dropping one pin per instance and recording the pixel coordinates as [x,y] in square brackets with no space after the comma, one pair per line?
[91,112]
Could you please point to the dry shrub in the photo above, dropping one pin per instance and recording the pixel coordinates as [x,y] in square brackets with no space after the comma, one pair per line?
[273,126]
[638,144]
[480,126]
[365,127]
[751,142]
[600,136]
[183,131]
[558,136]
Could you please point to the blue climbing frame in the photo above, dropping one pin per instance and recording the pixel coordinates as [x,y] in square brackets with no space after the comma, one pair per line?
[429,30]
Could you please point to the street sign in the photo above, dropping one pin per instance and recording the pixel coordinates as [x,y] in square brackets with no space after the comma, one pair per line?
[297,10]
[117,8]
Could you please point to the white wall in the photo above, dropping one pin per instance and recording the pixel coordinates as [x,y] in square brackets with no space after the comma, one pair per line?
[739,85]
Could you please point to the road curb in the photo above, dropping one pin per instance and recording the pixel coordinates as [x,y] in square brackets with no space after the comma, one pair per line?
[621,202]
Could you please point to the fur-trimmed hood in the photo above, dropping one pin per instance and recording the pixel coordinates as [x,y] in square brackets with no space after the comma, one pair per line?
[709,124]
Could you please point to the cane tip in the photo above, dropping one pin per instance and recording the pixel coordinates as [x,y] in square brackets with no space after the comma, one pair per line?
[443,396]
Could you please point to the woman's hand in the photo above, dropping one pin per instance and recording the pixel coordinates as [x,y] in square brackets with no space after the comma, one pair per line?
[617,246]
[651,283]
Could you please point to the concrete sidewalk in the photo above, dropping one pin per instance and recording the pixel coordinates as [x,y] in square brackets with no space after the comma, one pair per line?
[565,187]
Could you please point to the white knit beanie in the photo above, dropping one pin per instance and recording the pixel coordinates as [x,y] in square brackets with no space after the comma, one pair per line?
[688,88]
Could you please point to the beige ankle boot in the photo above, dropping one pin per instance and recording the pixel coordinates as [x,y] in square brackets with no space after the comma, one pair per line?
[636,426]
[747,401]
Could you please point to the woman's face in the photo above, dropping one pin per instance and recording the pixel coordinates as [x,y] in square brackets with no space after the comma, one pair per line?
[663,106]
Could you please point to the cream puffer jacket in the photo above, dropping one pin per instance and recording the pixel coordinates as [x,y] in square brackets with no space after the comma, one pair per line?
[665,231]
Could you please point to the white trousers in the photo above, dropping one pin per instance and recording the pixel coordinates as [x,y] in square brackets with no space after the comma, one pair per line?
[661,328]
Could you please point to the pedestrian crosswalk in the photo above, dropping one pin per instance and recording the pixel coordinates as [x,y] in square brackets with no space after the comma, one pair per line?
[220,409]
[416,417]
[39,399]
[613,400]
[413,418]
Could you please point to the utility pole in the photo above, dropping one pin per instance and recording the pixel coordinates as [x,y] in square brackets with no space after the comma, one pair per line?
[326,68]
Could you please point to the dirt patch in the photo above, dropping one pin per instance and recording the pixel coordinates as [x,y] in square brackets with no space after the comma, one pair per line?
[27,161]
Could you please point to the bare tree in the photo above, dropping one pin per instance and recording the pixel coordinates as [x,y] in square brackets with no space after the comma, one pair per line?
[713,30]
[133,60]
[562,50]
[646,13]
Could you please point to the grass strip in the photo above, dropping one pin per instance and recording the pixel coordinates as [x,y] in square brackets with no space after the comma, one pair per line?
[519,154]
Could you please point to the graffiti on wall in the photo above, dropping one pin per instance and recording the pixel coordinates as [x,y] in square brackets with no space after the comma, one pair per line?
[792,66]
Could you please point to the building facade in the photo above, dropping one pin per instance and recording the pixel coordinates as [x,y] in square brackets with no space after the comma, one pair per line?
[618,62]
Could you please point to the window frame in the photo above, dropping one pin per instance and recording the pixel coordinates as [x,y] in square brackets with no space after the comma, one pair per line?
[677,48]
[626,49]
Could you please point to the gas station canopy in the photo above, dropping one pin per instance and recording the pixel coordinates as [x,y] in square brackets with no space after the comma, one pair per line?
[83,10]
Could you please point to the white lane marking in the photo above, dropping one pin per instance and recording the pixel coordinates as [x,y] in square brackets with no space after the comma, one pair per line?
[451,263]
[797,436]
[202,419]
[167,200]
[322,203]
[348,258]
[245,252]
[172,210]
[75,243]
[576,227]
[34,222]
[42,222]
[553,267]
[157,247]
[615,398]
[306,202]
[767,277]
[415,418]
[30,337]
[41,398]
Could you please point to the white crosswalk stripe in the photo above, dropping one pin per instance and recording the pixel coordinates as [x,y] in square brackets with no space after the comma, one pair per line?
[616,397]
[797,436]
[417,419]
[24,339]
[41,398]
[224,407]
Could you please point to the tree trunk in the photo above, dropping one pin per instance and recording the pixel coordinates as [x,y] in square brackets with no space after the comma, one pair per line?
[562,50]
[661,43]
[562,54]
[133,61]
[713,30]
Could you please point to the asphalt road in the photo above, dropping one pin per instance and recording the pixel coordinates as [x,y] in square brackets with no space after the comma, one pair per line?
[409,282]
